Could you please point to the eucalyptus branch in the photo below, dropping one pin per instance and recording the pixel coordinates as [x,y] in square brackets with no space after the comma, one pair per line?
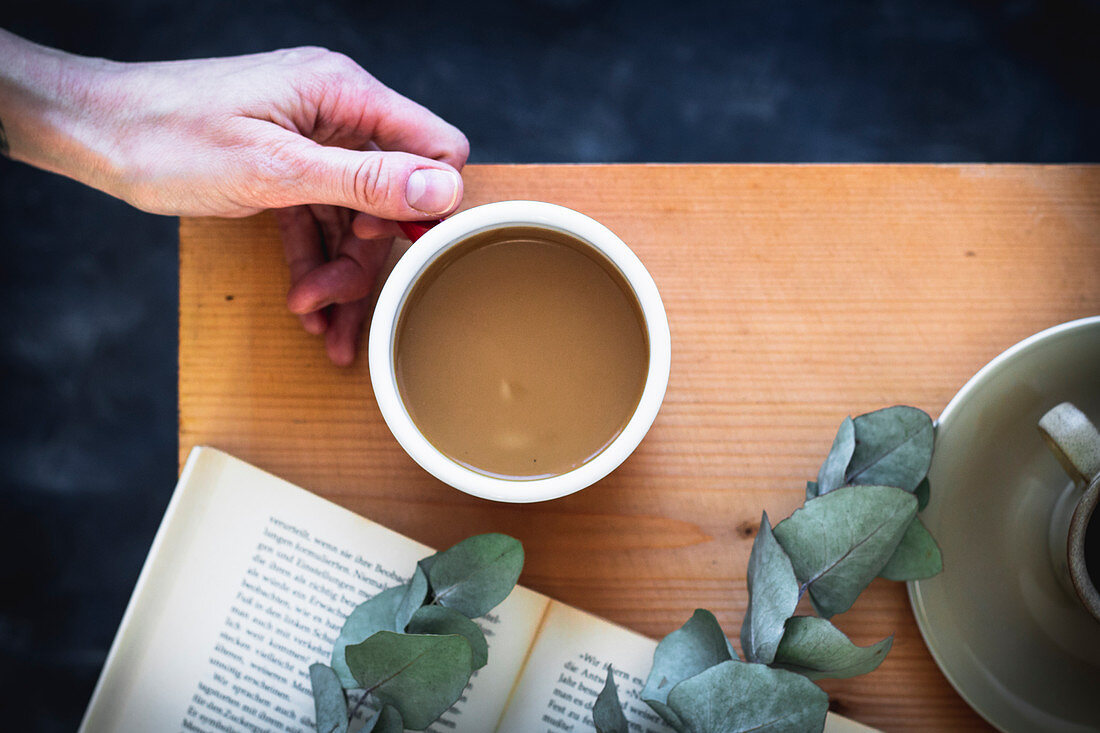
[858,522]
[414,647]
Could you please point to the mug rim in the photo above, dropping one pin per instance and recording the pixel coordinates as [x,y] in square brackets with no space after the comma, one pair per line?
[420,256]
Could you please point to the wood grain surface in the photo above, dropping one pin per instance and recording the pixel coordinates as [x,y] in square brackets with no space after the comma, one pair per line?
[796,295]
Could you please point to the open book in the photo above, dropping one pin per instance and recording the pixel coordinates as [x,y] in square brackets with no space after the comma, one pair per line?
[248,582]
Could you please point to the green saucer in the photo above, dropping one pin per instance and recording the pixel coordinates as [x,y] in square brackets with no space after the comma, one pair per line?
[1015,644]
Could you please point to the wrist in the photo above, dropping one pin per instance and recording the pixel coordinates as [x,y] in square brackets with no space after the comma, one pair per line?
[50,107]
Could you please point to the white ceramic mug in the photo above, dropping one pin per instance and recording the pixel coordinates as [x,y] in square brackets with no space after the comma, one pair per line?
[414,263]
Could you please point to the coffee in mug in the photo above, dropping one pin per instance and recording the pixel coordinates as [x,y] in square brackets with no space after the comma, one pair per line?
[521,353]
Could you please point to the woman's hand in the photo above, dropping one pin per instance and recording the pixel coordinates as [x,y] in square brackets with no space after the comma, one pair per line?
[303,130]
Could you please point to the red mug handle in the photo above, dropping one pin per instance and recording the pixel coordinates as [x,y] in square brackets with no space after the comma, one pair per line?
[414,230]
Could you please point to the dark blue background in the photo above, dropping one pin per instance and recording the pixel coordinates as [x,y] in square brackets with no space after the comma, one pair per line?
[88,286]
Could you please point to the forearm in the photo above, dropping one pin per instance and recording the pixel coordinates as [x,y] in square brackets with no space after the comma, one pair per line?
[49,107]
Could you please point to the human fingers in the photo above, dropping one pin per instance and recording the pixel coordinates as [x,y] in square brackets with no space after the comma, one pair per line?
[408,126]
[389,185]
[366,226]
[348,276]
[350,101]
[345,331]
[304,252]
[334,222]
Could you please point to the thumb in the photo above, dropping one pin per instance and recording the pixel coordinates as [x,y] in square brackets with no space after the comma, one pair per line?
[390,185]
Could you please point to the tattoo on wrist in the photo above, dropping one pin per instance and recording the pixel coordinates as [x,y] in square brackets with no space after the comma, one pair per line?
[3,141]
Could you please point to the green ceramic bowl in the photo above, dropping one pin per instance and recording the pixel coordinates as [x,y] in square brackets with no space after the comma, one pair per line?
[1017,646]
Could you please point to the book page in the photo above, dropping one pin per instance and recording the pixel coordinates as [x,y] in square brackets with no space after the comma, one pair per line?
[247,584]
[567,669]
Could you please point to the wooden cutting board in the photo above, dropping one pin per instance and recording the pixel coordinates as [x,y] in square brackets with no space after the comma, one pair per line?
[796,295]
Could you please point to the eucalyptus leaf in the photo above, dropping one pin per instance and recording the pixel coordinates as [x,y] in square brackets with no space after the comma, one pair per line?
[442,620]
[607,713]
[923,492]
[667,714]
[840,541]
[476,574]
[425,564]
[811,489]
[416,590]
[388,720]
[917,555]
[377,613]
[832,472]
[813,647]
[737,697]
[893,448]
[773,596]
[420,675]
[697,645]
[329,700]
